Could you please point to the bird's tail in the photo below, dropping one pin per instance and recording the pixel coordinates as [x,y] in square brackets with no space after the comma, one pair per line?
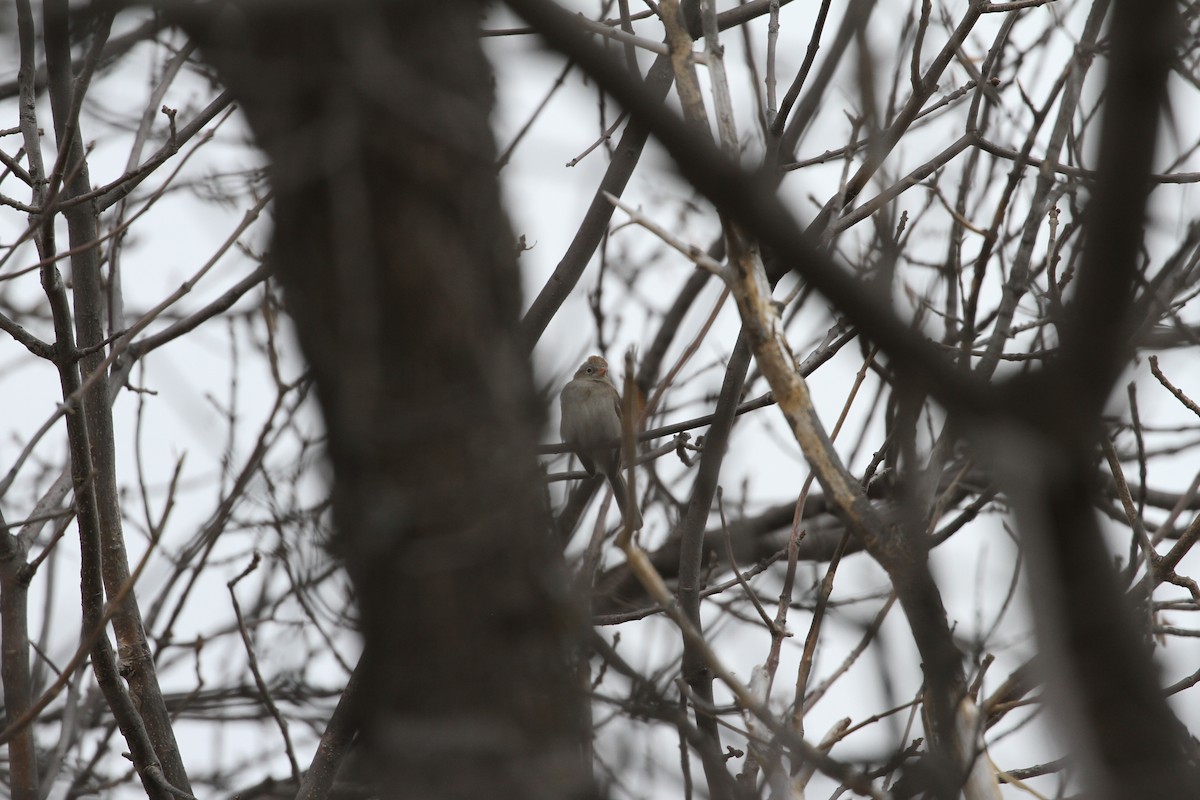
[631,515]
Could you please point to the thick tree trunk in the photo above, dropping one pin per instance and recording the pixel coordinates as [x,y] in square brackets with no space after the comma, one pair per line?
[399,271]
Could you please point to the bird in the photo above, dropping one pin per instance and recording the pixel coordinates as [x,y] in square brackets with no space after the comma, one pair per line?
[591,424]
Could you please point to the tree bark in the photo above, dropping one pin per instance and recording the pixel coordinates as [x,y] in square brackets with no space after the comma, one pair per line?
[399,270]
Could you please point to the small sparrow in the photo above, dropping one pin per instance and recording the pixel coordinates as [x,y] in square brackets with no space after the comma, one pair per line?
[591,424]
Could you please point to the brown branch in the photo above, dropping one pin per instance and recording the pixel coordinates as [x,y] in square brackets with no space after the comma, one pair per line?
[1187,402]
[334,745]
[90,432]
[14,661]
[625,158]
[264,693]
